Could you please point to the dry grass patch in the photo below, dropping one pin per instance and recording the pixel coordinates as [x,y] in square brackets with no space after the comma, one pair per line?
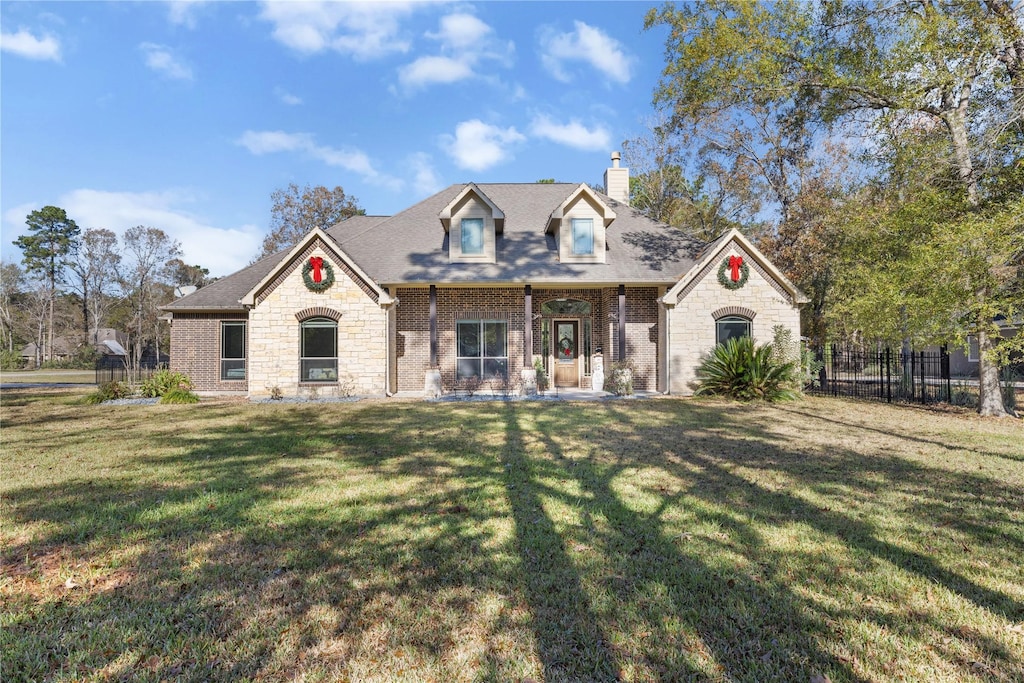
[641,540]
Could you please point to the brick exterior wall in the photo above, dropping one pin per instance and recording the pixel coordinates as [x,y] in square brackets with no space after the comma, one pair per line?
[274,332]
[412,328]
[195,349]
[692,320]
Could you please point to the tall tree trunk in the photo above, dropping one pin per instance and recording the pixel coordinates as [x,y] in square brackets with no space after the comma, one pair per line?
[49,333]
[956,123]
[990,395]
[85,314]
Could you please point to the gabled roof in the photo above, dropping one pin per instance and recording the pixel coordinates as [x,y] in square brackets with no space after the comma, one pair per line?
[407,249]
[249,298]
[226,293]
[471,188]
[582,191]
[403,250]
[716,250]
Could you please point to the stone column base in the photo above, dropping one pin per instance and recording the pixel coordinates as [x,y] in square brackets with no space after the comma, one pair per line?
[529,376]
[432,384]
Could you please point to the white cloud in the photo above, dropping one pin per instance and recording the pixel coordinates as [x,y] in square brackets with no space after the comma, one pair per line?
[26,45]
[271,141]
[465,42]
[287,98]
[461,31]
[182,12]
[589,45]
[572,134]
[221,249]
[478,146]
[161,60]
[364,30]
[429,70]
[425,182]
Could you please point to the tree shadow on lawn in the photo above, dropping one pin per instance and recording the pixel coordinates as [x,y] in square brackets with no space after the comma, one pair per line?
[455,542]
[222,574]
[995,510]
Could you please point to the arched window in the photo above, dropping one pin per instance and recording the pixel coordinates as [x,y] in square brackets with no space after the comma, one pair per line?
[731,326]
[319,350]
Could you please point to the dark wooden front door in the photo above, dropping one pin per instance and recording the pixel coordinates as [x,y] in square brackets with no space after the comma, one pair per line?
[567,347]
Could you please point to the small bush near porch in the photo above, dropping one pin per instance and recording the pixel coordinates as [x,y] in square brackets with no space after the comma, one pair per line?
[631,540]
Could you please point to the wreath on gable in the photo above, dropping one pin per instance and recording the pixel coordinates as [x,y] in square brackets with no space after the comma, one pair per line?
[317,274]
[733,272]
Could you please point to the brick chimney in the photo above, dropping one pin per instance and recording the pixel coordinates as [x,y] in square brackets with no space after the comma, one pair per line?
[616,181]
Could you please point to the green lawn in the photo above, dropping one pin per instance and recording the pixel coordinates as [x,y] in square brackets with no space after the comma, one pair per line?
[60,376]
[620,540]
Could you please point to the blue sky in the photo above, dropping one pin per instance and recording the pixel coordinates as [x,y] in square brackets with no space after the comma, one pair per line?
[186,116]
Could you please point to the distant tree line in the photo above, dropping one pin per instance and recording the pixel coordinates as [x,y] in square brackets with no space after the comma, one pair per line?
[71,283]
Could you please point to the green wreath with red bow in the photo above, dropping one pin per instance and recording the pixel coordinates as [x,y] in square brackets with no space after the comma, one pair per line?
[733,273]
[317,274]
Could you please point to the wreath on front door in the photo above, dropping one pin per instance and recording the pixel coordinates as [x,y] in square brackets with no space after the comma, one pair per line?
[566,345]
[733,272]
[317,274]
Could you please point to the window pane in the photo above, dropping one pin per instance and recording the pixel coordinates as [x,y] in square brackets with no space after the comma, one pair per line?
[467,367]
[233,340]
[494,339]
[232,369]
[469,338]
[582,235]
[319,342]
[565,307]
[472,235]
[495,367]
[732,327]
[586,346]
[319,370]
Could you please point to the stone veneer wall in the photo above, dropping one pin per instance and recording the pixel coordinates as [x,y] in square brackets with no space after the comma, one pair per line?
[692,323]
[274,333]
[195,349]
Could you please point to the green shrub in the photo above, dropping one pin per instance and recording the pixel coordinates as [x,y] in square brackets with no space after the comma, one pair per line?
[109,392]
[164,381]
[11,360]
[620,378]
[740,370]
[542,375]
[179,396]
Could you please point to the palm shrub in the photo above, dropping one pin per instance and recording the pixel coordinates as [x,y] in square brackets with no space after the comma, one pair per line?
[740,370]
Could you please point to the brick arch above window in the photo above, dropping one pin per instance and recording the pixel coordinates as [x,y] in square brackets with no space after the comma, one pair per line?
[318,312]
[741,311]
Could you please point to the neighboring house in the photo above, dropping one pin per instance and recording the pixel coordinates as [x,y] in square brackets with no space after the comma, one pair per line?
[481,280]
[964,362]
[108,342]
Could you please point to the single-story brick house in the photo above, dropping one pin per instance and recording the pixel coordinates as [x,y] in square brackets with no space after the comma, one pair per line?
[480,280]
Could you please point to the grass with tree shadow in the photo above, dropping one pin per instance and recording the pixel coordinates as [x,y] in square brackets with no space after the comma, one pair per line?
[619,540]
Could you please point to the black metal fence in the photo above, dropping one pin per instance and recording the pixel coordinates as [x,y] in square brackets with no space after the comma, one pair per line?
[115,369]
[882,374]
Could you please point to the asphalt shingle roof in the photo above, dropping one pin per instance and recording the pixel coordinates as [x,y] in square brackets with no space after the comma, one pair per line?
[412,247]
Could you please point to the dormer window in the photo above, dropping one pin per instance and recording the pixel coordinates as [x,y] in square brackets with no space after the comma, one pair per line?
[472,235]
[473,223]
[582,236]
[580,227]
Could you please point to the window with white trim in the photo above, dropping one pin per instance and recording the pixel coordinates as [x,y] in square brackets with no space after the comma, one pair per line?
[582,236]
[472,235]
[973,350]
[481,349]
[731,326]
[319,353]
[232,350]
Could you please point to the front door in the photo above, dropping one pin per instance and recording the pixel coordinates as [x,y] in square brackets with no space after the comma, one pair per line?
[567,353]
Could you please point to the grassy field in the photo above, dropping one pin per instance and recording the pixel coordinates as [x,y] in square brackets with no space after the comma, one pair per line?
[622,540]
[61,376]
